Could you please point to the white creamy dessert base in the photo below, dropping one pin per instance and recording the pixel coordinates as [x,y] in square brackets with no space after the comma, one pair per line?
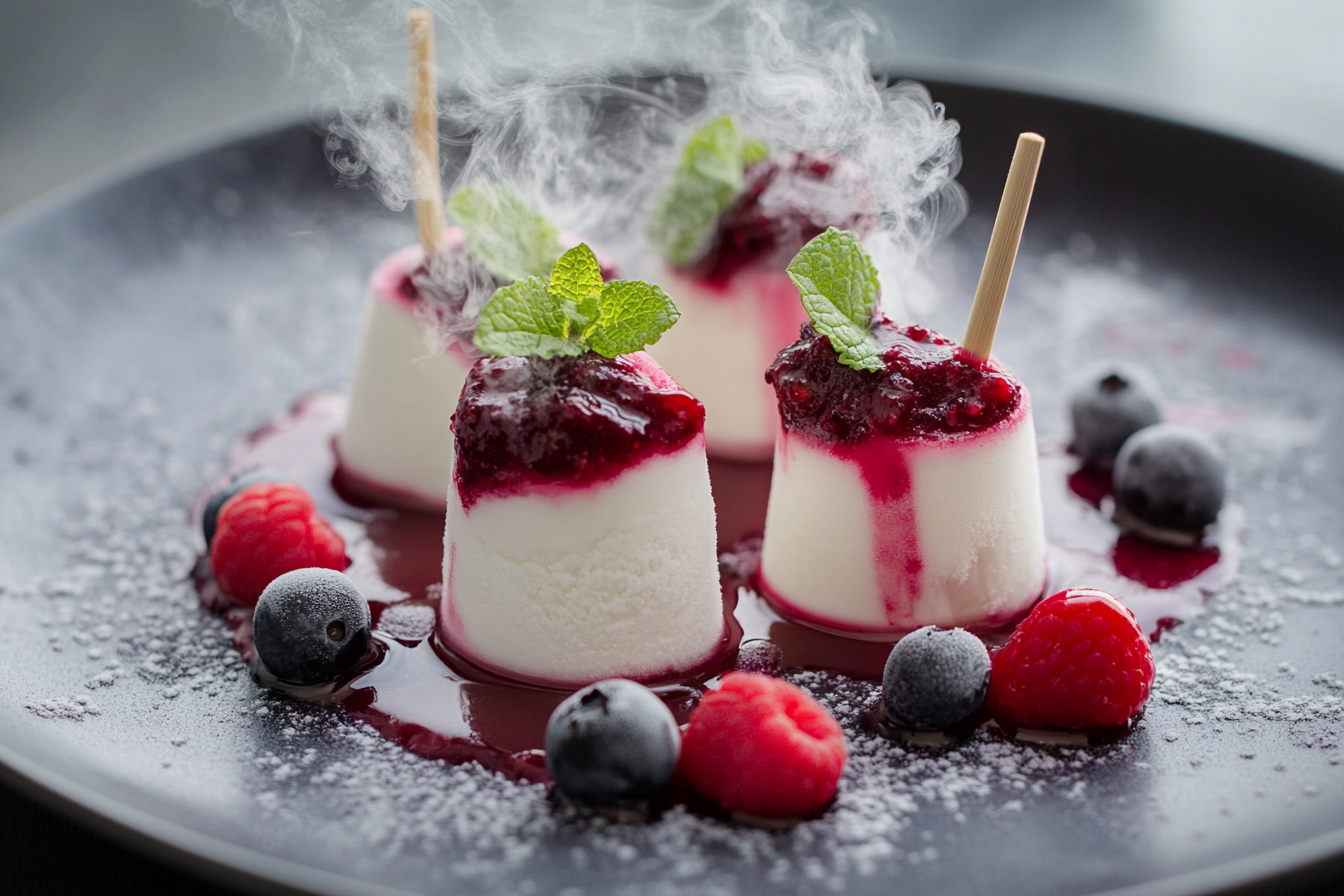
[720,348]
[397,438]
[567,586]
[887,536]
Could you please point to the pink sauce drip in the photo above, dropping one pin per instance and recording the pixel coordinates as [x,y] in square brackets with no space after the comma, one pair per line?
[471,715]
[885,469]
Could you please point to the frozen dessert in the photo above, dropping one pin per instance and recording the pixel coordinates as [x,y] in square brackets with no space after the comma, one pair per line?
[580,540]
[905,490]
[725,229]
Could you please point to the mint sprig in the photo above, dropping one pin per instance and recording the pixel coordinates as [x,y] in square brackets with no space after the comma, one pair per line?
[838,284]
[707,180]
[504,233]
[576,280]
[574,312]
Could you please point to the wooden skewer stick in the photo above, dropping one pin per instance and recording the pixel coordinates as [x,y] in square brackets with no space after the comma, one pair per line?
[1003,243]
[425,131]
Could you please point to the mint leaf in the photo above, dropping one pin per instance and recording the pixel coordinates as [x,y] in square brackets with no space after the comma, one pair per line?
[504,233]
[707,180]
[754,151]
[838,284]
[573,313]
[576,282]
[524,319]
[631,315]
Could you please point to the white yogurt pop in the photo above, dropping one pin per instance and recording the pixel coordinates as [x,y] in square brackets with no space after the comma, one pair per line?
[580,541]
[738,306]
[904,497]
[397,442]
[728,334]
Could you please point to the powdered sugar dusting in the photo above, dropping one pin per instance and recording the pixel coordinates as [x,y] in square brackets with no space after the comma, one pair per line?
[1238,748]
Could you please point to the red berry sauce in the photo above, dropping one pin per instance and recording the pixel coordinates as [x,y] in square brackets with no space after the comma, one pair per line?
[524,423]
[418,697]
[930,387]
[786,201]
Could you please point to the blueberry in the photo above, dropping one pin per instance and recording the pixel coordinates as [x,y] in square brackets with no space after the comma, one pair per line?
[310,625]
[935,677]
[613,743]
[240,481]
[1115,403]
[1170,479]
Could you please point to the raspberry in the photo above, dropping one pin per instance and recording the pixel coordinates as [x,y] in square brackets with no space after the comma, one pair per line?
[762,746]
[265,531]
[1079,661]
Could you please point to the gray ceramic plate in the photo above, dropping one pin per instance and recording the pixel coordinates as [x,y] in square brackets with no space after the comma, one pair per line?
[148,322]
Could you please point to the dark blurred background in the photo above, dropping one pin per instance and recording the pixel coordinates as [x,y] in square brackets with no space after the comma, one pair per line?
[86,84]
[89,84]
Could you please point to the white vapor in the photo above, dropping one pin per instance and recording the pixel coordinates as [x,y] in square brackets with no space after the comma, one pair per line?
[582,107]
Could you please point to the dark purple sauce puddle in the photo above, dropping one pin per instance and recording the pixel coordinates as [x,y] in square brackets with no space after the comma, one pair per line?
[417,695]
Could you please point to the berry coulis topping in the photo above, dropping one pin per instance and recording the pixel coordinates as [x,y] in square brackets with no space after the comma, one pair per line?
[527,421]
[786,201]
[930,386]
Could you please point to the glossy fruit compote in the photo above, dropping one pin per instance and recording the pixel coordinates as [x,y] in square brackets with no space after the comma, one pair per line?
[580,538]
[738,305]
[904,497]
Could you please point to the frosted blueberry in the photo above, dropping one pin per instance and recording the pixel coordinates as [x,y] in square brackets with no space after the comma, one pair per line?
[240,481]
[935,677]
[613,743]
[1116,402]
[1169,478]
[310,625]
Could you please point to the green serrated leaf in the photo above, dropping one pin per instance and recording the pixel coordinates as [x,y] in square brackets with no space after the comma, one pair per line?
[576,282]
[707,180]
[754,151]
[524,319]
[631,315]
[838,284]
[504,233]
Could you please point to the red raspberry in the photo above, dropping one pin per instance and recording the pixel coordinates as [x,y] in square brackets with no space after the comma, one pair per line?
[267,530]
[1079,661]
[763,746]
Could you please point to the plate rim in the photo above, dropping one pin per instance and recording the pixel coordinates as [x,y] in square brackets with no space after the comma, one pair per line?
[246,868]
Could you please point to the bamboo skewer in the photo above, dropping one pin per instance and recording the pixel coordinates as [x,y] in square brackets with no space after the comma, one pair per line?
[425,131]
[1003,243]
